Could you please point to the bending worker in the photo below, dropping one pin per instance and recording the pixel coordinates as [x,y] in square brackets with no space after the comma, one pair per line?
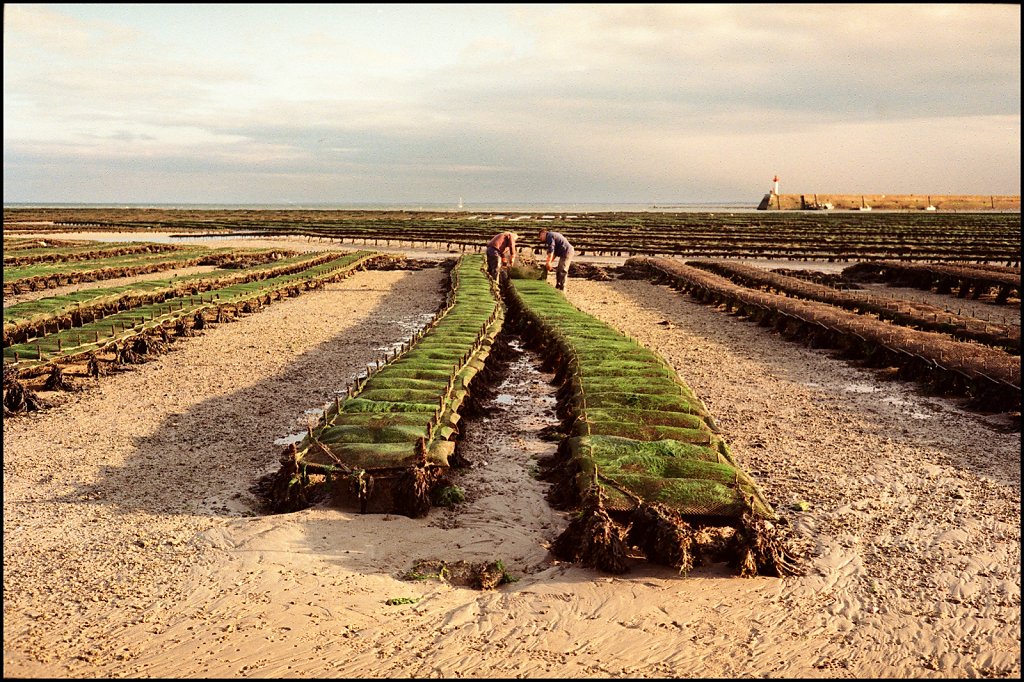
[557,245]
[501,250]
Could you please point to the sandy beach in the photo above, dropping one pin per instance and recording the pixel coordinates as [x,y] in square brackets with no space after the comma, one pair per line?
[134,545]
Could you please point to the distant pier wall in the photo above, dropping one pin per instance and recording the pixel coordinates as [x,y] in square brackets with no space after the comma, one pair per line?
[890,202]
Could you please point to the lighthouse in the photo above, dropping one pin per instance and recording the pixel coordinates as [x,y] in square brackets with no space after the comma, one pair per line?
[773,192]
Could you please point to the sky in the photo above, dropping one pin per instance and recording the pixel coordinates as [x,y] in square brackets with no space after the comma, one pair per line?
[539,103]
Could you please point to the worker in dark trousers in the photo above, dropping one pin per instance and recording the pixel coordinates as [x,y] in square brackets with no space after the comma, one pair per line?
[557,246]
[501,252]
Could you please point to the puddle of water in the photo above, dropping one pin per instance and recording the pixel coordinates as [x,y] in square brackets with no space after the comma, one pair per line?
[861,388]
[892,400]
[288,440]
[502,451]
[408,328]
[317,412]
[900,402]
[526,395]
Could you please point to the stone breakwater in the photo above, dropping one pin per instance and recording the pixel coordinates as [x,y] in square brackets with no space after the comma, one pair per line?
[890,202]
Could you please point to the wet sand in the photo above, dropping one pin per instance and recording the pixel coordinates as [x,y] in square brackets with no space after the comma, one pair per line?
[133,546]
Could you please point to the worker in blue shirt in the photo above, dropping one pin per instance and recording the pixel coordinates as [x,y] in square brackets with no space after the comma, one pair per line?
[557,246]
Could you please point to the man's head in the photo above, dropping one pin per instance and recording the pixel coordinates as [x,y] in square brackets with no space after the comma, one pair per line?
[543,234]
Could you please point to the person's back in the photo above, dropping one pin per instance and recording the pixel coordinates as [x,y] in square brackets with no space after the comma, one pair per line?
[557,246]
[503,241]
[501,250]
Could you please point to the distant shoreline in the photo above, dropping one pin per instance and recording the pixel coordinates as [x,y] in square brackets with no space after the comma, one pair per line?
[890,202]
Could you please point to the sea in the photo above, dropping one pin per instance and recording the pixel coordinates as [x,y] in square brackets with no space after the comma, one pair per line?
[497,207]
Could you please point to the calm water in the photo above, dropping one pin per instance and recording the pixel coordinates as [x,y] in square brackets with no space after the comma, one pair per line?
[717,207]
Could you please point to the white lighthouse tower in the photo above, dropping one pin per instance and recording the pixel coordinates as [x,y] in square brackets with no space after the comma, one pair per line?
[775,185]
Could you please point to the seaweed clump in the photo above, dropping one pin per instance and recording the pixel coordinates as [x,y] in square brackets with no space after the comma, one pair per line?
[480,575]
[19,398]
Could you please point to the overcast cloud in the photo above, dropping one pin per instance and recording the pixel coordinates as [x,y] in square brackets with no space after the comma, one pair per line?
[665,103]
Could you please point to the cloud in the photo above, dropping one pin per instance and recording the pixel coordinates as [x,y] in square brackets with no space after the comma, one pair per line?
[565,102]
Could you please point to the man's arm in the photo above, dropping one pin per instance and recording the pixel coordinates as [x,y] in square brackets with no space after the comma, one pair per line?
[549,245]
